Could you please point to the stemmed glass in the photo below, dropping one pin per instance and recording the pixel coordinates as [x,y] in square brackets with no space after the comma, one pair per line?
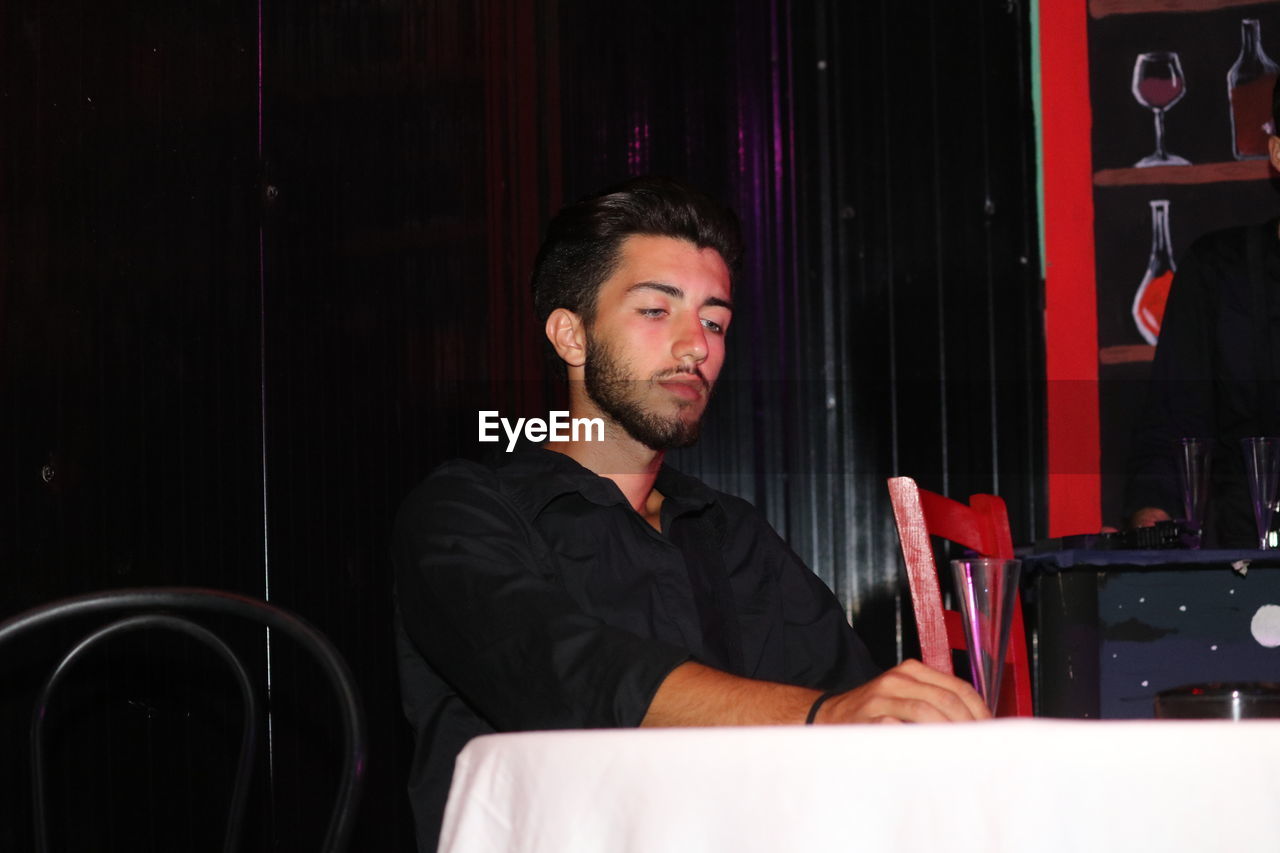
[1262,466]
[1193,474]
[988,591]
[1158,84]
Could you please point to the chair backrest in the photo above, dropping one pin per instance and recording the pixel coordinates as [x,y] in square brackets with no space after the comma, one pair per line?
[981,526]
[167,608]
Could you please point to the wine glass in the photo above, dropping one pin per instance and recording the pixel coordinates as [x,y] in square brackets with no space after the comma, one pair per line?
[1158,84]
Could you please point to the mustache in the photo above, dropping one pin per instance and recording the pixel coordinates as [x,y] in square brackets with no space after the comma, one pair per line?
[690,370]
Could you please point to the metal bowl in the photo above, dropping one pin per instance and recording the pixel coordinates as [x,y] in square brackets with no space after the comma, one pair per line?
[1238,700]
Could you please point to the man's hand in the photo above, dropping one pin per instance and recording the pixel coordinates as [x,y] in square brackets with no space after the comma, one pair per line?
[1148,516]
[909,693]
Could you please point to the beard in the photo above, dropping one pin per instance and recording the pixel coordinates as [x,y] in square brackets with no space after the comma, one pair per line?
[622,398]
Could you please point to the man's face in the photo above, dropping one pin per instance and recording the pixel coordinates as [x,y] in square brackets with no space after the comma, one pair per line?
[656,345]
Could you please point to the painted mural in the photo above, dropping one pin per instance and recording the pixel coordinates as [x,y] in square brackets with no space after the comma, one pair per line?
[1180,96]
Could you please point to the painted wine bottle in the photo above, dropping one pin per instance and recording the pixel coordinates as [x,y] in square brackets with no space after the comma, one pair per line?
[1153,293]
[1249,84]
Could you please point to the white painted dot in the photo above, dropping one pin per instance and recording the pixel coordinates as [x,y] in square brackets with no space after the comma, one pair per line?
[1183,608]
[1265,625]
[1231,592]
[1114,655]
[1142,600]
[1214,647]
[1145,683]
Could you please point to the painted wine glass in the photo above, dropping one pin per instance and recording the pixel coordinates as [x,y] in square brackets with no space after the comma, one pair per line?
[1158,84]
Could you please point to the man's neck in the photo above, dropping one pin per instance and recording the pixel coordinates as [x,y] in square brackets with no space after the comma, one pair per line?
[630,464]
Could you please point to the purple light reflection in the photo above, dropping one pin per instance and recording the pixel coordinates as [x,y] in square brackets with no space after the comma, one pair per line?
[638,148]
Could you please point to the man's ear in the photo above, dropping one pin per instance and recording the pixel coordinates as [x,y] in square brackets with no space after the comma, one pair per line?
[1273,145]
[567,334]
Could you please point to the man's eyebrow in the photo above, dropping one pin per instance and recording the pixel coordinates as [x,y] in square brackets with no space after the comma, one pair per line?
[676,293]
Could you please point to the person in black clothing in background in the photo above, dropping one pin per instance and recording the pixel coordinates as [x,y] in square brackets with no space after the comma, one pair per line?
[583,583]
[1215,375]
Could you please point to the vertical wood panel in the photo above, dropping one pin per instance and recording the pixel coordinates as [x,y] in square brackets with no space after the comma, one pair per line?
[128,376]
[919,213]
[378,253]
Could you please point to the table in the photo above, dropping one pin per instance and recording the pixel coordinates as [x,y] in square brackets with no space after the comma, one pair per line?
[1114,628]
[1011,785]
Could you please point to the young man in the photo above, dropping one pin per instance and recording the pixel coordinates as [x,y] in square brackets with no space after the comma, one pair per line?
[582,583]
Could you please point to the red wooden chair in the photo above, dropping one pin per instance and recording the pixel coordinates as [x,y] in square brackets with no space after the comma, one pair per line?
[982,526]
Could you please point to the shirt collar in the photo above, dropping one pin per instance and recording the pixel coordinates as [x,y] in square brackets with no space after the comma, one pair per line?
[536,476]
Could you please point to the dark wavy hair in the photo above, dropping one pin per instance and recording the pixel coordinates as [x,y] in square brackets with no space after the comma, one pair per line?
[583,243]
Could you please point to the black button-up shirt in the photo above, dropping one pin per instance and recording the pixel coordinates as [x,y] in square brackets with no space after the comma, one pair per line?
[1216,375]
[532,596]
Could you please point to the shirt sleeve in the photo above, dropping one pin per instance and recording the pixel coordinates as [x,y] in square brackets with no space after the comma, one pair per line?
[794,629]
[481,609]
[1179,394]
[823,649]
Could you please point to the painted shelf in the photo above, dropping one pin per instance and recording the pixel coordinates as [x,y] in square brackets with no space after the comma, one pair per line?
[1199,173]
[1103,8]
[1126,354]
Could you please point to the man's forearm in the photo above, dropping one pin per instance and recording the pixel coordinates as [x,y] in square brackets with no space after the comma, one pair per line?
[697,695]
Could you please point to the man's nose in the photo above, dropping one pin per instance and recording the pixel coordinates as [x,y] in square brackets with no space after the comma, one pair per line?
[691,342]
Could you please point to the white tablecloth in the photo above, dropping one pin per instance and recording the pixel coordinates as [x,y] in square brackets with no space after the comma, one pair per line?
[1021,786]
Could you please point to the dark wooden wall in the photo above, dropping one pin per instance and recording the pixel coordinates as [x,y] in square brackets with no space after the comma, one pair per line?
[260,264]
[921,297]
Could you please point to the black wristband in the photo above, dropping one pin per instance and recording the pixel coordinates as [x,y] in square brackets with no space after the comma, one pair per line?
[817,703]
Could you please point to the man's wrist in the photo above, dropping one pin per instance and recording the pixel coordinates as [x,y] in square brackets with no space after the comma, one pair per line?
[817,706]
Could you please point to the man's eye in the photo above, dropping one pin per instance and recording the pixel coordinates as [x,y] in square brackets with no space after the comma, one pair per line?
[652,312]
[713,326]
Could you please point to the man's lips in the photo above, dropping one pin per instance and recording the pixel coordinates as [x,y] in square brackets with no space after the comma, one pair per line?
[685,387]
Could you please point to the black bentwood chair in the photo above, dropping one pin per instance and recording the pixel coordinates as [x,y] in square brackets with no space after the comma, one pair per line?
[167,608]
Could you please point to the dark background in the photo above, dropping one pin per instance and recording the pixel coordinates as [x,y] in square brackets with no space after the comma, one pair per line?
[261,263]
